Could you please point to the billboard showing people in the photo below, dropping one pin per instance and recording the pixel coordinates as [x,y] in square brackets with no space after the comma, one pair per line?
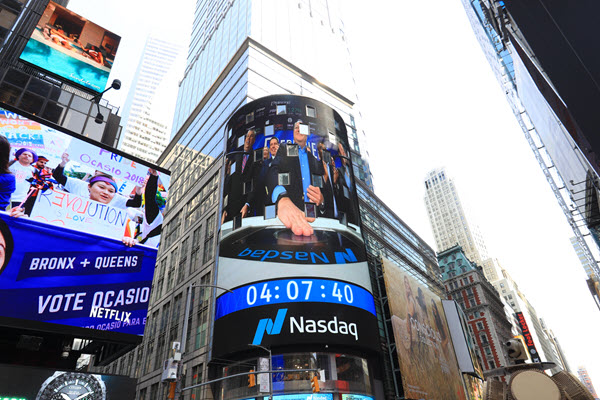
[427,361]
[80,227]
[72,47]
[291,251]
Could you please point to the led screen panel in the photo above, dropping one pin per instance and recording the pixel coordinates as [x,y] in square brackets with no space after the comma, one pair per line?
[427,360]
[291,253]
[533,353]
[28,383]
[80,229]
[72,47]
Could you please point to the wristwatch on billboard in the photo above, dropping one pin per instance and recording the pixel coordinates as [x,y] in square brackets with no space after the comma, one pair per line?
[72,386]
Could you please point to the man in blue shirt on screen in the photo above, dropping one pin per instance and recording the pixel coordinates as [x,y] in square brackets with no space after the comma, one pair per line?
[290,182]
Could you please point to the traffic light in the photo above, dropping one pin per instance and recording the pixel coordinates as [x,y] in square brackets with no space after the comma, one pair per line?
[251,379]
[315,384]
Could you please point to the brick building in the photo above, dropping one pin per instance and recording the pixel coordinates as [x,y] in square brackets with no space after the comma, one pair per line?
[488,316]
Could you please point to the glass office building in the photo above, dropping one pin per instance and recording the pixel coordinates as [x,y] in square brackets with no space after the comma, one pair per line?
[547,71]
[240,51]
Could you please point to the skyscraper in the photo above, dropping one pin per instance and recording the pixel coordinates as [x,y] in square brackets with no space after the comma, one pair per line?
[546,346]
[584,377]
[451,225]
[482,304]
[147,128]
[549,71]
[240,51]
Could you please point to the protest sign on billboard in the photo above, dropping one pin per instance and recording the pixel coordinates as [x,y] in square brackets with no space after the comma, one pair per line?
[72,47]
[291,251]
[427,360]
[80,238]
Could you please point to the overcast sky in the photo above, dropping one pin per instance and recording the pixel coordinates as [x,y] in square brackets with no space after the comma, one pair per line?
[429,99]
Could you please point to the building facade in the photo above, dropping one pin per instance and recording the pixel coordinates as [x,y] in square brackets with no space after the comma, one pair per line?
[240,51]
[451,225]
[509,290]
[466,284]
[147,130]
[548,73]
[584,377]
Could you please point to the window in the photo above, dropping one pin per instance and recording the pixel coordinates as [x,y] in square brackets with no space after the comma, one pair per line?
[208,238]
[484,341]
[472,303]
[196,378]
[480,326]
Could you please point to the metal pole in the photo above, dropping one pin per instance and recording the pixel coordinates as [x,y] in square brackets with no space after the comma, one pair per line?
[270,367]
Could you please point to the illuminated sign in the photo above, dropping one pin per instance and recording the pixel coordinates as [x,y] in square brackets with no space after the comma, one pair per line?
[31,383]
[72,47]
[80,244]
[346,396]
[535,357]
[291,252]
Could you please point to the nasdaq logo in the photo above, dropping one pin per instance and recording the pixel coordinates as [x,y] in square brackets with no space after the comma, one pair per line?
[269,327]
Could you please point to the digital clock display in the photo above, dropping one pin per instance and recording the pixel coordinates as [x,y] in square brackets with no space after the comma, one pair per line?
[307,290]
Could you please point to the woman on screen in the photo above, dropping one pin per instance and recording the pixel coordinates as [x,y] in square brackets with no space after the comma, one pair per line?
[101,187]
[7,179]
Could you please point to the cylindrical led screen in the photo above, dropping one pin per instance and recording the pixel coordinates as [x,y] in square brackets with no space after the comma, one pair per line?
[291,255]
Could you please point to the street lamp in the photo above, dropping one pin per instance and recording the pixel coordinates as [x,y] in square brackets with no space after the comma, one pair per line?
[270,367]
[116,84]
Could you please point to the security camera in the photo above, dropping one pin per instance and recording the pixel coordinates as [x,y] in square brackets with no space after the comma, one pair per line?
[116,84]
[516,350]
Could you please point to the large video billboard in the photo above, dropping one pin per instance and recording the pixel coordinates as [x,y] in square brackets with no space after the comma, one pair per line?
[291,251]
[72,47]
[28,383]
[79,229]
[427,361]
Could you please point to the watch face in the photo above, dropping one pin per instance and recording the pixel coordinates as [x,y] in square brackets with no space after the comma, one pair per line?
[72,386]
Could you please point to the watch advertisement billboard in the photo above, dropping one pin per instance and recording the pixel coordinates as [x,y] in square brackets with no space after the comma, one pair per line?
[72,47]
[291,254]
[29,383]
[427,360]
[80,226]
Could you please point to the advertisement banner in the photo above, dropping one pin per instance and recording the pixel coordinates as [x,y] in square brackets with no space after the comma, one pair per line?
[291,252]
[72,47]
[533,353]
[462,340]
[30,383]
[427,361]
[76,252]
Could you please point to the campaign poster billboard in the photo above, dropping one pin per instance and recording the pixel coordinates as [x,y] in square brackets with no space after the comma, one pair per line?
[427,360]
[80,225]
[291,252]
[30,383]
[72,47]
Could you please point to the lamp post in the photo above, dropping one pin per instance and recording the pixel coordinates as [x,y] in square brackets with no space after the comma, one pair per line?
[116,84]
[270,367]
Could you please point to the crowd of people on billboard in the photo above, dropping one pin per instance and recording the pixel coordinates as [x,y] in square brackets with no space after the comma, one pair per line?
[26,177]
[304,177]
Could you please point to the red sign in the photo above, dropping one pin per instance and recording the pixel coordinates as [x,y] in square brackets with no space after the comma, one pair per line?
[535,357]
